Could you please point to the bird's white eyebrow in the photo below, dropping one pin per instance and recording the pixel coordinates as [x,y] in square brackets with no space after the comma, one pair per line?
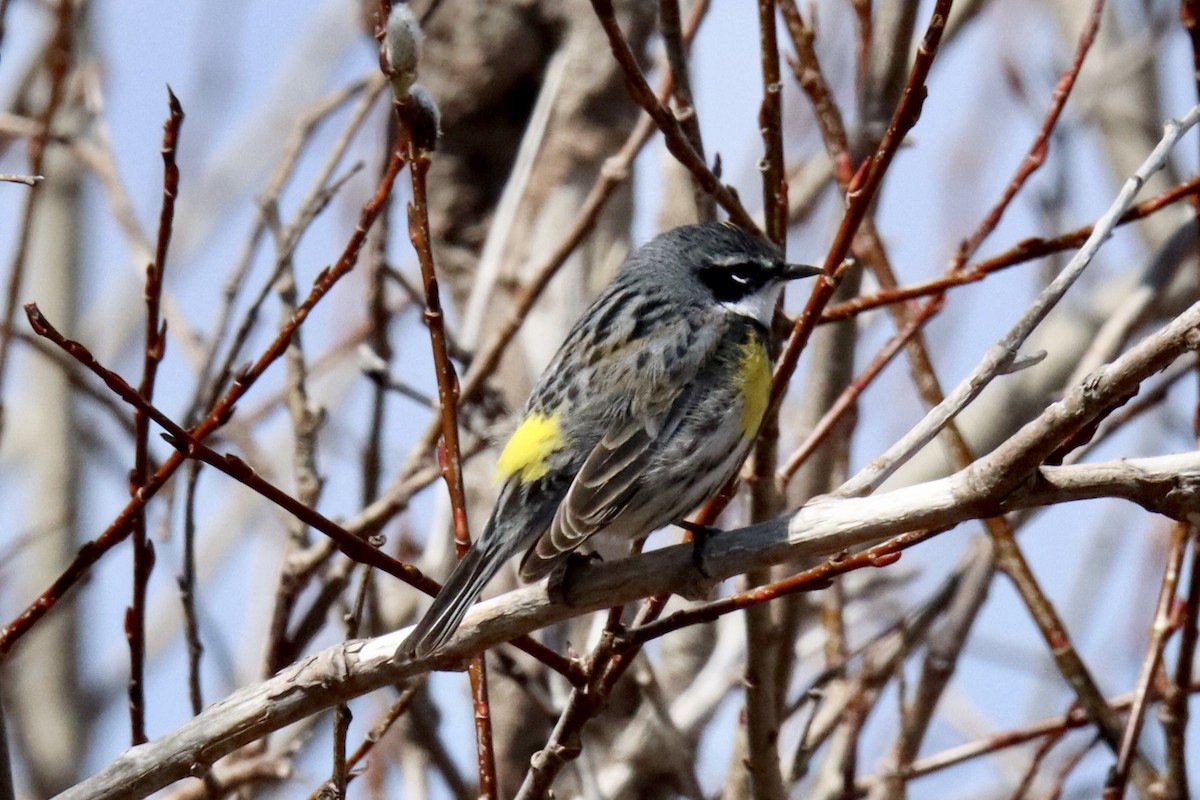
[736,260]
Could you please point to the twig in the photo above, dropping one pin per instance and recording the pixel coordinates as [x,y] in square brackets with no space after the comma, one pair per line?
[1041,143]
[377,732]
[770,122]
[684,104]
[1175,712]
[447,381]
[28,180]
[673,135]
[809,75]
[79,382]
[1159,631]
[155,348]
[187,590]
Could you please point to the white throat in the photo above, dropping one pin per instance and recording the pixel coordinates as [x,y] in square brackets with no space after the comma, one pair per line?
[759,306]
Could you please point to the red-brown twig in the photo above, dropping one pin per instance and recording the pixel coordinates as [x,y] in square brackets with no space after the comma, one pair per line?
[674,137]
[860,195]
[807,70]
[881,555]
[1023,252]
[770,122]
[1036,156]
[155,347]
[447,382]
[684,105]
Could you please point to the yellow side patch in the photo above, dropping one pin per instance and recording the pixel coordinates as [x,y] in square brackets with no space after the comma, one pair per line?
[528,452]
[754,379]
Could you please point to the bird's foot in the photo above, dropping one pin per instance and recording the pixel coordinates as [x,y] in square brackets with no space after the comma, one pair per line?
[700,536]
[559,582]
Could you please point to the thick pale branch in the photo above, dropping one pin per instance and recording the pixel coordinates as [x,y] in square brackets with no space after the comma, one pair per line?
[826,526]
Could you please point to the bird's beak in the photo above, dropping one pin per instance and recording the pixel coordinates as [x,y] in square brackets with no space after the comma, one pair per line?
[793,271]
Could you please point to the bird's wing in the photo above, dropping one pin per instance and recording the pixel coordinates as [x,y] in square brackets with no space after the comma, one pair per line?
[609,476]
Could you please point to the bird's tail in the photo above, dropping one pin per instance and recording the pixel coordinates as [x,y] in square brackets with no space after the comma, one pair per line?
[462,588]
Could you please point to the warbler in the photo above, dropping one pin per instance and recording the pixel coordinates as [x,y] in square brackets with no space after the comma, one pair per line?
[647,409]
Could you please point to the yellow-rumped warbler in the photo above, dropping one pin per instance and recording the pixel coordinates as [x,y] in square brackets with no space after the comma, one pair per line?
[647,409]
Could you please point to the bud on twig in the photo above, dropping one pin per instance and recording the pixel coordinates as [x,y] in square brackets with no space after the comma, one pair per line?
[424,118]
[402,48]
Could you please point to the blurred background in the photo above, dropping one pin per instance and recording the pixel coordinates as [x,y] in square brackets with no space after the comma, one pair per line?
[288,125]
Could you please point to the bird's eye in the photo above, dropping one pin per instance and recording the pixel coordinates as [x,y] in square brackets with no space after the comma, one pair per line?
[730,283]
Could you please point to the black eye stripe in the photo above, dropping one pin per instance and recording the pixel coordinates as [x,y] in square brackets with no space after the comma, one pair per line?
[732,282]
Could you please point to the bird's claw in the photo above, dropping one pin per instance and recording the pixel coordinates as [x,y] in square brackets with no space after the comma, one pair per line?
[700,536]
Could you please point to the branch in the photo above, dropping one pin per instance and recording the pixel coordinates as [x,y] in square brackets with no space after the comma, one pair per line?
[153,351]
[827,526]
[28,180]
[452,469]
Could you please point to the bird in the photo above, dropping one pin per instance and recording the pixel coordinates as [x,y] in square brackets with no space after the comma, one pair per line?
[647,409]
